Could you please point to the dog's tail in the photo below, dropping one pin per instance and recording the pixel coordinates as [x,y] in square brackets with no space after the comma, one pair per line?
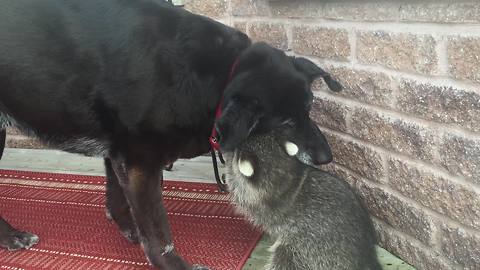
[334,85]
[3,136]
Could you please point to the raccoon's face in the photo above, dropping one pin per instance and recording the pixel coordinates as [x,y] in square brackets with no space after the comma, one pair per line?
[267,162]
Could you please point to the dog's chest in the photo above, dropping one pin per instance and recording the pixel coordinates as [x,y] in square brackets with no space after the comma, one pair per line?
[85,146]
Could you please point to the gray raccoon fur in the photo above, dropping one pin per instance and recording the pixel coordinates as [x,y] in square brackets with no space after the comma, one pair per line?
[316,219]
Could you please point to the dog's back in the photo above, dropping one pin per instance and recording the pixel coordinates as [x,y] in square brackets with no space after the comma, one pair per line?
[317,220]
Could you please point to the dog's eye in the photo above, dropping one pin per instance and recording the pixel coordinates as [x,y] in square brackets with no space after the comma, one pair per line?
[291,148]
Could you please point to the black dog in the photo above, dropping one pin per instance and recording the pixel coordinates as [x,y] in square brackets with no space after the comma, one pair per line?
[138,82]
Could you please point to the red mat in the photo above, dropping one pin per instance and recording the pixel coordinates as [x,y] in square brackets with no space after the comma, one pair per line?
[67,213]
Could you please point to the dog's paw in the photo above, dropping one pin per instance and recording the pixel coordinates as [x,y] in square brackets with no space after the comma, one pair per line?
[169,167]
[17,240]
[199,267]
[131,235]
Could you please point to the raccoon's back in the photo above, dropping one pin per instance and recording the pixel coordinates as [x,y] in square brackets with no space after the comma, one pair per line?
[332,214]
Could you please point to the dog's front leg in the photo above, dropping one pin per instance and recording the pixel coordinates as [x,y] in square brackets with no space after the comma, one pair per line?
[140,182]
[117,207]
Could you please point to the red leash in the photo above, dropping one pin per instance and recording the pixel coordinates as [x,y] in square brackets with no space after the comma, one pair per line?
[214,142]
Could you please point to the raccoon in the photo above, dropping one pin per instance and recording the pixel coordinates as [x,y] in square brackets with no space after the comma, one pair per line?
[315,218]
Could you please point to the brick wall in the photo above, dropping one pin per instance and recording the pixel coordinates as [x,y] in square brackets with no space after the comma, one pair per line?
[406,130]
[16,139]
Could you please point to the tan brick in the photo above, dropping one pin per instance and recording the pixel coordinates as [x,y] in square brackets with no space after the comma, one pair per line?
[441,12]
[337,10]
[461,156]
[459,202]
[393,133]
[274,34]
[14,131]
[294,9]
[321,42]
[368,87]
[329,114]
[242,26]
[402,51]
[397,213]
[461,246]
[423,258]
[464,57]
[250,8]
[209,8]
[19,141]
[442,104]
[358,158]
[336,170]
[361,10]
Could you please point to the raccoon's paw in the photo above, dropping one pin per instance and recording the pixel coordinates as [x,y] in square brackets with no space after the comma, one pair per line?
[199,267]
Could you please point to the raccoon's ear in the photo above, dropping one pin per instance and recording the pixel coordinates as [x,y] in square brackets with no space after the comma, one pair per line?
[246,167]
[305,141]
[291,148]
[300,151]
[247,163]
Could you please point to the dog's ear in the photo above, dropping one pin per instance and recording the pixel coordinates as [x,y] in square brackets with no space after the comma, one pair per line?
[236,122]
[312,71]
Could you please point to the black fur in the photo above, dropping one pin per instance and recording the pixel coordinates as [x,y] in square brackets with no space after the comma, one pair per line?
[138,81]
[270,88]
[3,139]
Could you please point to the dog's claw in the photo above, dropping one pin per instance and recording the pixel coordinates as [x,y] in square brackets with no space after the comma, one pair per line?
[18,240]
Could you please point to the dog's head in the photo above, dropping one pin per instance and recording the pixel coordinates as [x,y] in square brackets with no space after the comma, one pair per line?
[210,46]
[270,89]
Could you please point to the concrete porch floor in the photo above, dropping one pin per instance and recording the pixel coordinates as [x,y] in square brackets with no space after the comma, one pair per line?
[194,170]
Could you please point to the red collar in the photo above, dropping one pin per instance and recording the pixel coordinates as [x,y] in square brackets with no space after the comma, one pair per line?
[214,142]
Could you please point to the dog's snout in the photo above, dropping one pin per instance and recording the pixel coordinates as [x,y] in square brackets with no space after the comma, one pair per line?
[322,157]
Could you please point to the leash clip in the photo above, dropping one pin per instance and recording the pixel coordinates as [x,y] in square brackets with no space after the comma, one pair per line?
[214,142]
